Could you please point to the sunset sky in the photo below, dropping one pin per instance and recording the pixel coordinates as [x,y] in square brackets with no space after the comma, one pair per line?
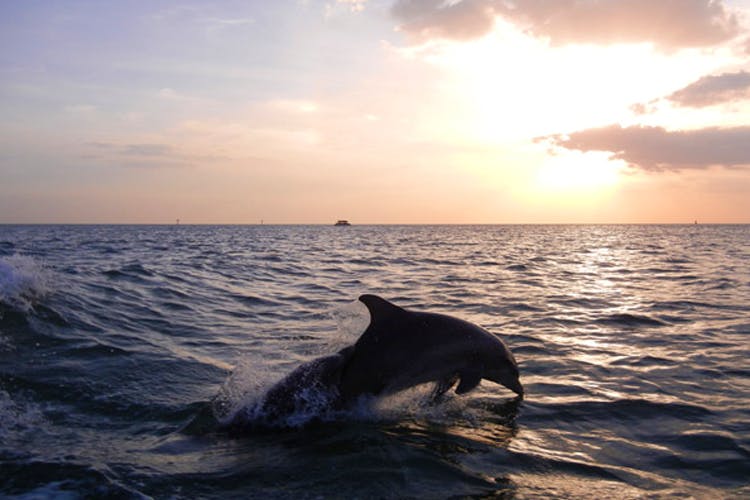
[409,111]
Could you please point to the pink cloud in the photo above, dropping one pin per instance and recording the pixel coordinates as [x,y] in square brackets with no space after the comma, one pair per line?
[669,24]
[658,149]
[714,89]
[463,20]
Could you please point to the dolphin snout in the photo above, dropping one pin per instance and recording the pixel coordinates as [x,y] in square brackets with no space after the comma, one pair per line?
[515,386]
[507,378]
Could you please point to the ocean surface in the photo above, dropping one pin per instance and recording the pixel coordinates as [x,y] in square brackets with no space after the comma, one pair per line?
[124,348]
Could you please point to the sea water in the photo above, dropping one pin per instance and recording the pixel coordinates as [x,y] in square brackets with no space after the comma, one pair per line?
[123,347]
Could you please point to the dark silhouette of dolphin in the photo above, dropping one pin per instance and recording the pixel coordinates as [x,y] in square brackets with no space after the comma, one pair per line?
[401,349]
[398,350]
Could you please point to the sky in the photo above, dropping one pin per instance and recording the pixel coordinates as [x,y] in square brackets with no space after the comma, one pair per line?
[375,111]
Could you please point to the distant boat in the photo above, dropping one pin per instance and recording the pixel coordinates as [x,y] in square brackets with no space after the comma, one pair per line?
[342,222]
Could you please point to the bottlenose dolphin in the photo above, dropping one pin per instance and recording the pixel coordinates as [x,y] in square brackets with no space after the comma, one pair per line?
[401,349]
[398,350]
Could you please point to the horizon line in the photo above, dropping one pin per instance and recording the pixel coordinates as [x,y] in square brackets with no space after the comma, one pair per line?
[352,224]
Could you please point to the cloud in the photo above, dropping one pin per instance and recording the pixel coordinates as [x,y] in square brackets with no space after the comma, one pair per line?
[658,149]
[293,105]
[669,24]
[170,94]
[223,22]
[462,20]
[339,7]
[146,150]
[714,89]
[710,90]
[354,5]
[81,109]
[644,108]
[146,155]
[135,149]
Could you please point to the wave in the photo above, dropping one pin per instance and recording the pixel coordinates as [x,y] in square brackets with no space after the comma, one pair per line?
[63,478]
[134,272]
[23,282]
[630,320]
[17,418]
[581,302]
[682,305]
[620,409]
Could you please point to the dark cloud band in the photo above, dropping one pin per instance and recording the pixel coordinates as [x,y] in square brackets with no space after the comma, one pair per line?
[657,149]
[670,24]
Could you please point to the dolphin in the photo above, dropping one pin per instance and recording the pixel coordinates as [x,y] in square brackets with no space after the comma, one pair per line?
[401,349]
[398,350]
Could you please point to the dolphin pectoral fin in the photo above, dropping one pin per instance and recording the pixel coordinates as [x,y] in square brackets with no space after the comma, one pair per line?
[469,380]
[442,386]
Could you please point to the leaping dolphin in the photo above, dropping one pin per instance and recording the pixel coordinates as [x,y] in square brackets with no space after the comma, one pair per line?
[398,350]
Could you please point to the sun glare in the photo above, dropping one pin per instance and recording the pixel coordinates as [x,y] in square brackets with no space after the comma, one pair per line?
[577,173]
[517,86]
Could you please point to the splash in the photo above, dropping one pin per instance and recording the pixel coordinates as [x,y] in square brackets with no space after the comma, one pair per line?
[352,319]
[243,396]
[310,404]
[248,398]
[252,398]
[23,281]
[241,391]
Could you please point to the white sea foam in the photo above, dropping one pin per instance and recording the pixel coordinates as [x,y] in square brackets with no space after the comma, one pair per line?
[23,281]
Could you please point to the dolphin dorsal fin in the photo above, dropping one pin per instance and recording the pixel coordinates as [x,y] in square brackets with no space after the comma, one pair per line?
[383,315]
[380,309]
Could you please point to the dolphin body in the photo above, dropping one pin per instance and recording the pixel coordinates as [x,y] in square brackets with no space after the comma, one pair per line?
[398,350]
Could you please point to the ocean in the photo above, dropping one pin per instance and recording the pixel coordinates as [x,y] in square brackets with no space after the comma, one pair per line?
[124,348]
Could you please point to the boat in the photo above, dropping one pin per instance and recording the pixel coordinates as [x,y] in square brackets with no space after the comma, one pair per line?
[342,222]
